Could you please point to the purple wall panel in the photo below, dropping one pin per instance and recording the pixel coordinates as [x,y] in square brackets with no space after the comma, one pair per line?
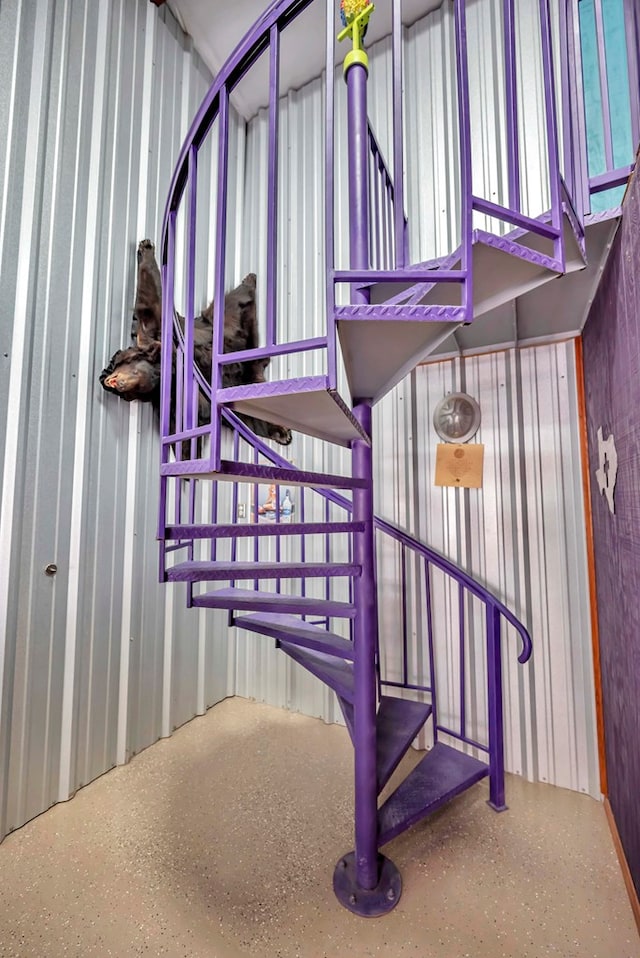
[612,377]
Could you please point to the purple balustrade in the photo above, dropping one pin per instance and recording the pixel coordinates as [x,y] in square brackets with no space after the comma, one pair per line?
[332,537]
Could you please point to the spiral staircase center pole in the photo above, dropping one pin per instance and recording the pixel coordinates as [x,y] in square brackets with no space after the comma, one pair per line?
[364,881]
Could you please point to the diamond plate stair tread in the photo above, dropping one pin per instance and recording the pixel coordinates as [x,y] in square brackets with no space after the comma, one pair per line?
[235,530]
[397,723]
[336,673]
[502,270]
[252,472]
[254,600]
[306,405]
[294,631]
[197,571]
[443,773]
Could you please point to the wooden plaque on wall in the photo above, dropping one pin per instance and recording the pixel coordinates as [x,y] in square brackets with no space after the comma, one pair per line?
[459,464]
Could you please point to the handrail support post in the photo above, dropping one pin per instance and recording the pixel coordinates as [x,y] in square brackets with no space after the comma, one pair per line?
[496,728]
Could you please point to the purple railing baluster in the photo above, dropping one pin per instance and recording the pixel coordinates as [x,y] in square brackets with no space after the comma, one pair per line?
[511,93]
[179,400]
[303,538]
[464,125]
[403,594]
[214,518]
[570,158]
[432,665]
[375,205]
[278,521]
[168,288]
[234,499]
[398,152]
[577,109]
[191,487]
[272,198]
[389,224]
[496,733]
[329,195]
[219,275]
[327,549]
[256,459]
[463,702]
[192,191]
[552,130]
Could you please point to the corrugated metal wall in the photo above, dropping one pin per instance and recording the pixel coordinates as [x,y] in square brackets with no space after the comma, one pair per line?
[97,661]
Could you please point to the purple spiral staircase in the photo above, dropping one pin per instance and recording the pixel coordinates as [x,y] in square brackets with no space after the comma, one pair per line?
[310,583]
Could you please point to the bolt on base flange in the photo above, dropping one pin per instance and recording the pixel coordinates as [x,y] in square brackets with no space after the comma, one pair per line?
[367,902]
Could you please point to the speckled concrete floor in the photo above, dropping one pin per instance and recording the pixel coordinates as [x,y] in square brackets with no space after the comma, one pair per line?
[221,842]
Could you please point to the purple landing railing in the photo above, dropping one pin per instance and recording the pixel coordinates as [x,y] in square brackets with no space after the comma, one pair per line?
[431,609]
[456,268]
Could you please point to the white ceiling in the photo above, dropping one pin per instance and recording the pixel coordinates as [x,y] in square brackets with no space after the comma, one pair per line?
[217,27]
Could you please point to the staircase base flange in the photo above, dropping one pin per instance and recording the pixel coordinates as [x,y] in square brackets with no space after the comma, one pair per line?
[367,902]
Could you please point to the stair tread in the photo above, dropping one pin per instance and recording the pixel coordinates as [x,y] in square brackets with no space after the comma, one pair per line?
[248,529]
[308,405]
[262,472]
[378,356]
[443,773]
[397,723]
[256,599]
[203,571]
[336,673]
[379,352]
[289,628]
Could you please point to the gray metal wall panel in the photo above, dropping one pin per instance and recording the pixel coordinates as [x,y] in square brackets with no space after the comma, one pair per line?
[100,660]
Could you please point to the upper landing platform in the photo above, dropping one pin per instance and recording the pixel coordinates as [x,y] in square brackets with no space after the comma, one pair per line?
[334,226]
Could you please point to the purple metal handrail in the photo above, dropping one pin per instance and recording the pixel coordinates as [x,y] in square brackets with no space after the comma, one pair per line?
[496,610]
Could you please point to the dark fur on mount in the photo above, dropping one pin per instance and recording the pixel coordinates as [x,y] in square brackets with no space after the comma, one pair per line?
[134,373]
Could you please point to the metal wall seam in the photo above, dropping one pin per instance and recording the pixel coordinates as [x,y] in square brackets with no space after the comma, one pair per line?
[82,402]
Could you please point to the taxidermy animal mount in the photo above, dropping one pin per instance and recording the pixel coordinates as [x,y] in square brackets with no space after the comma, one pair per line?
[134,373]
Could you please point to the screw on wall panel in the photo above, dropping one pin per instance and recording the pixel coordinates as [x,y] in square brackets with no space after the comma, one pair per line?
[50,569]
[242,510]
